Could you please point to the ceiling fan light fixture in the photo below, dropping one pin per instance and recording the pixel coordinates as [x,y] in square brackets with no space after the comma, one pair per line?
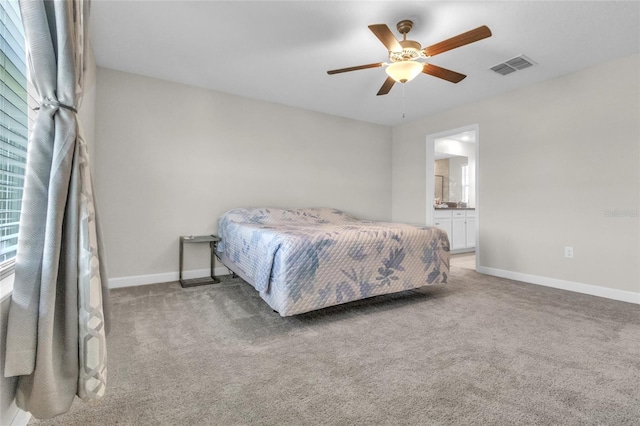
[403,65]
[404,71]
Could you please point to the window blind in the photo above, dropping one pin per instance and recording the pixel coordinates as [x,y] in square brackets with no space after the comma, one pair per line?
[14,125]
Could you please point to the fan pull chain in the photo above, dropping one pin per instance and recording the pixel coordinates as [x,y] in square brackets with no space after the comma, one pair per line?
[403,103]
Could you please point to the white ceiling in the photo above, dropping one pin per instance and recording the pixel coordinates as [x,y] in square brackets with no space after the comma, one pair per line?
[280,51]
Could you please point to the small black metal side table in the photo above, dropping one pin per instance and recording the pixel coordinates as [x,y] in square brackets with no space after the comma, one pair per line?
[213,243]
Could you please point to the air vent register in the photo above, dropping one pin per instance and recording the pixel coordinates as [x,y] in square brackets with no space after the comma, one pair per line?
[512,65]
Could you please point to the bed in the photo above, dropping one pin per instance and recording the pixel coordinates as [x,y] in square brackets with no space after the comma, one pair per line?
[306,259]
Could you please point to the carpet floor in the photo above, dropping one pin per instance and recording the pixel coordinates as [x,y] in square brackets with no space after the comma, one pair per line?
[479,350]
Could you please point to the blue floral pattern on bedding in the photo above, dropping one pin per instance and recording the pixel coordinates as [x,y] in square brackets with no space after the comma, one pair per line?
[306,259]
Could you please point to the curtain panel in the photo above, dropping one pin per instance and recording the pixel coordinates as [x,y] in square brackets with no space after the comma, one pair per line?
[56,336]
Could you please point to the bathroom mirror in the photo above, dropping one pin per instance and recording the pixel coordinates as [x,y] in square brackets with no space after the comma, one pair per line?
[439,187]
[455,161]
[452,182]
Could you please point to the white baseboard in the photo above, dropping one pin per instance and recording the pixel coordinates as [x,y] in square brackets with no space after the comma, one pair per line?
[593,290]
[464,250]
[21,418]
[163,278]
[608,293]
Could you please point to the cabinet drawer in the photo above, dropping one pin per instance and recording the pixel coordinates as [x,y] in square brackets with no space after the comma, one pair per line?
[458,213]
[444,224]
[471,213]
[443,214]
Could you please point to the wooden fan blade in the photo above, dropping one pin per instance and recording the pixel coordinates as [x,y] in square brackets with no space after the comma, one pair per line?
[387,38]
[443,73]
[458,41]
[388,84]
[359,67]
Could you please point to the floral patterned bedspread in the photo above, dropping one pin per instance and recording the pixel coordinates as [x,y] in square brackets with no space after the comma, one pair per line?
[306,259]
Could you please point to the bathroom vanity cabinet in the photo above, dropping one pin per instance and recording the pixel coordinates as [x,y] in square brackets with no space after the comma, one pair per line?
[460,225]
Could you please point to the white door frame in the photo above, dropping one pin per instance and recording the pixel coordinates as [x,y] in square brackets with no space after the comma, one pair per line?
[431,176]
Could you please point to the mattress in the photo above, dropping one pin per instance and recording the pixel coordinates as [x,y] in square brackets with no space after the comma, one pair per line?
[306,259]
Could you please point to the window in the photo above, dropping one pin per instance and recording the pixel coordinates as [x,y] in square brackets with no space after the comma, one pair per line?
[14,127]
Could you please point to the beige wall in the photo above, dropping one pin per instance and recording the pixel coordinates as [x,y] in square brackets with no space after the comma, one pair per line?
[554,158]
[171,158]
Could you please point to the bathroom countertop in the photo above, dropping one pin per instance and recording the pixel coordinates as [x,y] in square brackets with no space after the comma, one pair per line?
[454,208]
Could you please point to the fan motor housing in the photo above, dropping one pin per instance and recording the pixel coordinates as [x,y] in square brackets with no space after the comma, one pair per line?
[404,26]
[410,50]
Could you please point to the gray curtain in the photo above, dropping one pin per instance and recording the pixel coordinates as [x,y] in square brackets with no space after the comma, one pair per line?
[56,337]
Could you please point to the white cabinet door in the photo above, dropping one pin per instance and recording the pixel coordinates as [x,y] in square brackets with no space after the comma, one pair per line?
[460,226]
[471,232]
[444,224]
[457,236]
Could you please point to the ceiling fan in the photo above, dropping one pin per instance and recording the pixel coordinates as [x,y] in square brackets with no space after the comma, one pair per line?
[403,54]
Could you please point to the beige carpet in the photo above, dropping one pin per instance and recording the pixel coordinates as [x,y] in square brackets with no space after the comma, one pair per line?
[479,350]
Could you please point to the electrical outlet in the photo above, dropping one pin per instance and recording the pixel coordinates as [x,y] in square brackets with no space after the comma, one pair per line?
[568,252]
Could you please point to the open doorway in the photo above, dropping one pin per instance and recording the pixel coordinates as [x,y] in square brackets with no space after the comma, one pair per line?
[453,191]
